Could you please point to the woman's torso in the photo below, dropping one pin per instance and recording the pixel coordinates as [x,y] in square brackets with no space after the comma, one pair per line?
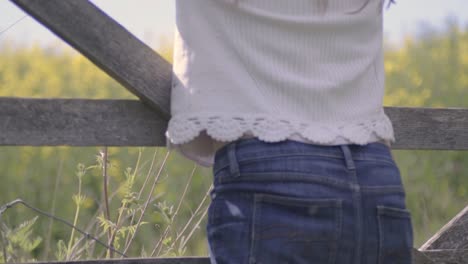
[274,70]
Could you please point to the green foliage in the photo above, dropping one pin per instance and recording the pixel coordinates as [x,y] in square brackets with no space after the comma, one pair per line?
[133,222]
[429,71]
[19,243]
[36,73]
[61,251]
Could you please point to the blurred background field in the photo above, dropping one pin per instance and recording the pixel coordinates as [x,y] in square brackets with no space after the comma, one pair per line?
[429,69]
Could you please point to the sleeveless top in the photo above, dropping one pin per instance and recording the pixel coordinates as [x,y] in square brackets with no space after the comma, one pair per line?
[306,70]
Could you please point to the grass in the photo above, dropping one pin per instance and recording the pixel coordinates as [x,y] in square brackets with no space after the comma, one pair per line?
[134,205]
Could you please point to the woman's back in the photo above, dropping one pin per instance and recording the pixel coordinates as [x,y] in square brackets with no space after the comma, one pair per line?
[275,69]
[305,80]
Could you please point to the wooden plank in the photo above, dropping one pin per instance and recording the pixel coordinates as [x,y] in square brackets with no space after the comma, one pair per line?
[429,128]
[108,45]
[142,71]
[186,260]
[446,256]
[79,122]
[419,257]
[426,257]
[452,236]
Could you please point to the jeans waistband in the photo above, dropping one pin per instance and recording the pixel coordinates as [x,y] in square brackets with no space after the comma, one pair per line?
[252,148]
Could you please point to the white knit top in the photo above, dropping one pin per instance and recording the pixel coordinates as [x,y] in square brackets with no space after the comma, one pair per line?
[308,70]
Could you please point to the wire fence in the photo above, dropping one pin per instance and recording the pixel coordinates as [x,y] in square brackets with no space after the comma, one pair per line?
[3,31]
[9,205]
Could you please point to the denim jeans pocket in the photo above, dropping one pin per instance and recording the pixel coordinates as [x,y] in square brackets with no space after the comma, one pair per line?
[228,228]
[295,230]
[395,235]
[227,243]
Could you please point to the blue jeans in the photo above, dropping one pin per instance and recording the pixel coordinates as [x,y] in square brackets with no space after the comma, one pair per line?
[293,202]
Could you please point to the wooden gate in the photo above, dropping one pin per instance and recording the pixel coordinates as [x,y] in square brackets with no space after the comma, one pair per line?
[80,122]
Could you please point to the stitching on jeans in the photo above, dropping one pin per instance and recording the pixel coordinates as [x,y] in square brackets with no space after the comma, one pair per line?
[385,189]
[287,200]
[357,203]
[288,155]
[356,157]
[253,245]
[267,154]
[332,150]
[302,177]
[338,231]
[393,211]
[379,248]
[382,212]
[379,159]
[392,163]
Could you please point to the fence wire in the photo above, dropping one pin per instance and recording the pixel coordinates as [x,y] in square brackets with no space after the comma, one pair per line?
[12,25]
[3,208]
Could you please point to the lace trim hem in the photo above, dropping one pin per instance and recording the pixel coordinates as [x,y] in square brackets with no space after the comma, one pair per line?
[184,128]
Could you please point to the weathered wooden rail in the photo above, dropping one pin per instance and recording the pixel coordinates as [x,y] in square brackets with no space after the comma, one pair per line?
[83,122]
[79,122]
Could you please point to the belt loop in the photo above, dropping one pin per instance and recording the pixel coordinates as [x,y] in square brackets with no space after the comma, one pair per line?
[348,157]
[233,164]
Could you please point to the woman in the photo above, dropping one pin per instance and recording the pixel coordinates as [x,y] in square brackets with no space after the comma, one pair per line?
[284,100]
